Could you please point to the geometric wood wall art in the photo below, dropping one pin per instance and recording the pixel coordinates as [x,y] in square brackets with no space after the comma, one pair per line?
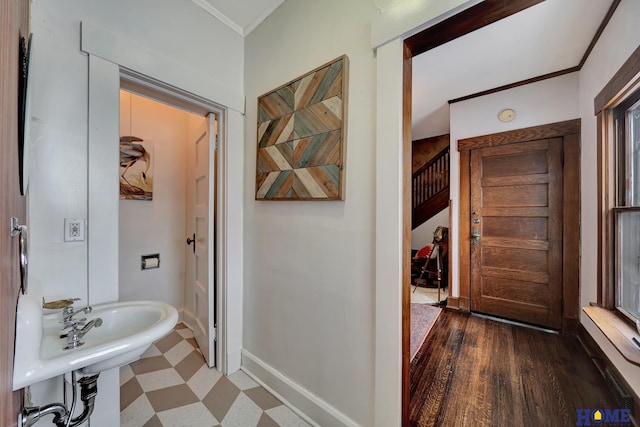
[301,136]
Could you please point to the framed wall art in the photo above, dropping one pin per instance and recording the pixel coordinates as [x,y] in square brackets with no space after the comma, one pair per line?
[136,172]
[301,136]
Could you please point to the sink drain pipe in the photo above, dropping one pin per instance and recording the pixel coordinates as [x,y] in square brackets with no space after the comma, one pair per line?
[62,417]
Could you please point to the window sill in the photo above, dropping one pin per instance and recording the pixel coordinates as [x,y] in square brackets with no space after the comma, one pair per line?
[617,331]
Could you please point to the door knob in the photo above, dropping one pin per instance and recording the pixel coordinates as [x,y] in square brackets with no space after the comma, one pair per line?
[192,241]
[475,234]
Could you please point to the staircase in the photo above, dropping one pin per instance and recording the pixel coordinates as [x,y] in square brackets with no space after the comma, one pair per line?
[430,187]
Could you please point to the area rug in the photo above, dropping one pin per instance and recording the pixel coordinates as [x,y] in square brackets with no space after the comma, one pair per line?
[423,295]
[423,316]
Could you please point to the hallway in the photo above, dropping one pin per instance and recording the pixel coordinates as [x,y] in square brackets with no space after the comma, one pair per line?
[473,371]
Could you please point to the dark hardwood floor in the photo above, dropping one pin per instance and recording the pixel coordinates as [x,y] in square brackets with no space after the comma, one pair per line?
[472,371]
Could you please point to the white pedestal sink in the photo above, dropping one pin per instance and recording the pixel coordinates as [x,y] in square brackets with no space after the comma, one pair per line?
[128,329]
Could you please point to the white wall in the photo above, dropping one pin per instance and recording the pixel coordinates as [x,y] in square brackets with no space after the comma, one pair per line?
[423,234]
[547,101]
[406,17]
[619,39]
[309,266]
[167,37]
[156,226]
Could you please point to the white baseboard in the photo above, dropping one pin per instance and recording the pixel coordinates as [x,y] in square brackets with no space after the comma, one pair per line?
[234,361]
[187,317]
[310,407]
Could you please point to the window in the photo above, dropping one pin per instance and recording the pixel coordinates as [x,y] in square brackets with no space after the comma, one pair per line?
[626,121]
[617,110]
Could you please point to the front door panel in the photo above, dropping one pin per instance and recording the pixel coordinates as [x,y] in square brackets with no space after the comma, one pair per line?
[516,231]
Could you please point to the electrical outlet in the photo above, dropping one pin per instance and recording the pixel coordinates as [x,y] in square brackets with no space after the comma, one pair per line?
[73,229]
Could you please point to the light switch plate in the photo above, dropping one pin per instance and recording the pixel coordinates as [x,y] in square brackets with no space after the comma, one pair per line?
[74,229]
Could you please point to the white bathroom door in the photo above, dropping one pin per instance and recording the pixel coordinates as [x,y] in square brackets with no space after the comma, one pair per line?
[201,253]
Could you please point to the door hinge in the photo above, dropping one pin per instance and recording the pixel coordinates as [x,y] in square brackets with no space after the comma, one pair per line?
[214,334]
[215,143]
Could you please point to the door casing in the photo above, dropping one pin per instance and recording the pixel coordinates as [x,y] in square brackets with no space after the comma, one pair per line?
[146,86]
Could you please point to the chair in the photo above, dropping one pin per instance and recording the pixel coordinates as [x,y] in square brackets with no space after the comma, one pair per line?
[423,259]
[418,260]
[422,263]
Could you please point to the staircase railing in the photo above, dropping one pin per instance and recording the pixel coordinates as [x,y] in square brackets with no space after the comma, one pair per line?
[431,187]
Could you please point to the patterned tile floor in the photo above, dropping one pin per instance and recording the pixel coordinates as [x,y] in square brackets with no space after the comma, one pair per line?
[172,386]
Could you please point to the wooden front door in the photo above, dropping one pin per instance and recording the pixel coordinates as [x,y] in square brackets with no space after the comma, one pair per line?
[516,231]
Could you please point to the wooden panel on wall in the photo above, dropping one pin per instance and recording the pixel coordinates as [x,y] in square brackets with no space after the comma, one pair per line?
[14,20]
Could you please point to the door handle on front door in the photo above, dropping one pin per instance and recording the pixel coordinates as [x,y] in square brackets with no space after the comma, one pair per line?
[191,241]
[475,234]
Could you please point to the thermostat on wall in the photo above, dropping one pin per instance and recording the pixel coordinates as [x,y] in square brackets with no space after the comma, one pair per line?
[506,115]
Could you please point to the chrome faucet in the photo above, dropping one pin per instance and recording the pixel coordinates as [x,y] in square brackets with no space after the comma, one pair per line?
[97,322]
[68,313]
[75,335]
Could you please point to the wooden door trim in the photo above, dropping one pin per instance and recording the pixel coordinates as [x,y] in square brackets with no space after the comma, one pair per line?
[407,214]
[619,85]
[570,132]
[14,22]
[571,233]
[551,130]
[471,19]
[464,231]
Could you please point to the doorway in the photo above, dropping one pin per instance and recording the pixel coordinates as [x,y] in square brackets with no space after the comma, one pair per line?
[467,21]
[167,205]
[430,220]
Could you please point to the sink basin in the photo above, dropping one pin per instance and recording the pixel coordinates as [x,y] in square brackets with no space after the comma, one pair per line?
[128,329]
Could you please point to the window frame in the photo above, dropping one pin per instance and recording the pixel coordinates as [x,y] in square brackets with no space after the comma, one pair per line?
[620,310]
[623,174]
[617,93]
[620,123]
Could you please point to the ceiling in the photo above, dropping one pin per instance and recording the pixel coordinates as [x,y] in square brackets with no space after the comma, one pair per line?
[550,36]
[242,16]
